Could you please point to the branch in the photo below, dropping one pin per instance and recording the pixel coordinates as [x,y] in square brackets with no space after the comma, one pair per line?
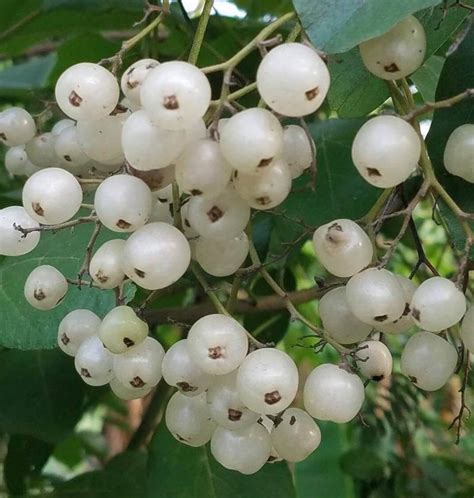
[90,247]
[200,32]
[54,228]
[458,420]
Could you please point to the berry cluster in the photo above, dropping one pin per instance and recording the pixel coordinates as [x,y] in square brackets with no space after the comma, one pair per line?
[183,191]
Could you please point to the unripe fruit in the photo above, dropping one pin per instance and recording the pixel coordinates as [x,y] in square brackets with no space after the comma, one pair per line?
[40,151]
[127,392]
[267,188]
[459,152]
[93,362]
[75,328]
[180,370]
[428,360]
[45,287]
[245,450]
[293,79]
[217,343]
[123,203]
[298,149]
[342,247]
[17,127]
[226,407]
[68,151]
[101,139]
[175,95]
[398,52]
[105,267]
[156,256]
[133,77]
[332,393]
[267,381]
[251,139]
[188,419]
[12,241]
[148,146]
[467,329]
[405,321]
[16,160]
[374,360]
[121,330]
[87,91]
[296,435]
[211,176]
[222,257]
[339,321]
[52,196]
[375,296]
[437,304]
[140,367]
[221,217]
[386,151]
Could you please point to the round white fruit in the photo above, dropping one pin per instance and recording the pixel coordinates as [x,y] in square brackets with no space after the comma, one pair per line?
[156,256]
[267,381]
[467,329]
[93,362]
[459,152]
[127,392]
[75,328]
[12,241]
[17,127]
[68,151]
[16,160]
[105,267]
[437,304]
[332,393]
[298,149]
[398,52]
[374,360]
[41,152]
[52,196]
[293,79]
[133,77]
[428,360]
[386,151]
[45,287]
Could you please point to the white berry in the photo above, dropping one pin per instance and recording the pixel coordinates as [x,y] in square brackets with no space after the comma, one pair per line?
[12,241]
[133,78]
[127,393]
[16,160]
[332,393]
[267,381]
[293,79]
[121,330]
[437,304]
[188,419]
[52,196]
[75,328]
[386,151]
[105,267]
[69,152]
[180,370]
[467,329]
[40,151]
[339,321]
[459,152]
[45,287]
[398,52]
[251,139]
[17,127]
[93,362]
[296,435]
[374,360]
[87,91]
[156,256]
[298,149]
[428,360]
[175,95]
[245,450]
[342,247]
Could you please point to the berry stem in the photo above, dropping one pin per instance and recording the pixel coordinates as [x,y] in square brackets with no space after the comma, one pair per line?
[201,278]
[200,32]
[59,226]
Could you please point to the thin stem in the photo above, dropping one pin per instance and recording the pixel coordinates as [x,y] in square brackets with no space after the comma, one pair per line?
[59,226]
[200,32]
[24,20]
[201,278]
[241,54]
[237,94]
[234,292]
[177,221]
[89,249]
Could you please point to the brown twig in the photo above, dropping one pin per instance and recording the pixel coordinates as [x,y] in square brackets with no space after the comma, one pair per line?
[458,419]
[54,228]
[89,249]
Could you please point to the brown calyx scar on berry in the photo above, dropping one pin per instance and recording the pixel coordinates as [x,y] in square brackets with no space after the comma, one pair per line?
[36,206]
[3,136]
[272,398]
[264,200]
[215,213]
[312,94]
[373,172]
[391,68]
[65,339]
[186,387]
[39,294]
[123,224]
[139,273]
[170,102]
[292,420]
[380,318]
[137,382]
[195,191]
[215,352]
[128,342]
[75,99]
[101,277]
[234,415]
[85,373]
[263,163]
[416,314]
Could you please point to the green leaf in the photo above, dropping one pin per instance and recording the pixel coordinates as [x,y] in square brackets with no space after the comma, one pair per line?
[25,327]
[427,76]
[41,394]
[361,92]
[179,471]
[457,75]
[340,191]
[83,48]
[123,477]
[362,463]
[132,5]
[321,471]
[27,76]
[337,26]
[26,457]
